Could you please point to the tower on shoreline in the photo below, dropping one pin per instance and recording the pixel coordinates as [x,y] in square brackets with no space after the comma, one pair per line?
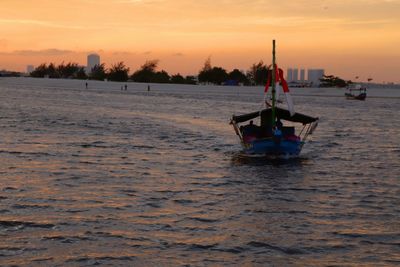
[29,69]
[312,79]
[92,60]
[314,76]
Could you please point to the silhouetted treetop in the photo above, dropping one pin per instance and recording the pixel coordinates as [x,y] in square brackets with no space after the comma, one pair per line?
[258,73]
[209,74]
[147,73]
[98,72]
[150,65]
[118,72]
[207,64]
[333,81]
[238,77]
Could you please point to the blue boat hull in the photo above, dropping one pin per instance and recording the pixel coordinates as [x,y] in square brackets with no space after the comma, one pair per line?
[270,147]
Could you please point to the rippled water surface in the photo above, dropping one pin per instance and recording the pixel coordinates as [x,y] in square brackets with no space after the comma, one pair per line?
[110,177]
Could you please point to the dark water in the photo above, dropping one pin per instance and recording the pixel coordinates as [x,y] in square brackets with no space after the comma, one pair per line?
[136,178]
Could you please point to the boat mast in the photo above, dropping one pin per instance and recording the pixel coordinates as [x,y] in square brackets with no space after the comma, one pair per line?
[273,83]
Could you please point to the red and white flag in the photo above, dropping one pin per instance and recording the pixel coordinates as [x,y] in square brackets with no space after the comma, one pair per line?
[282,82]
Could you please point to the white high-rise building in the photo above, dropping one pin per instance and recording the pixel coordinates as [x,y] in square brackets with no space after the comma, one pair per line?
[302,75]
[92,60]
[29,69]
[295,76]
[314,75]
[289,75]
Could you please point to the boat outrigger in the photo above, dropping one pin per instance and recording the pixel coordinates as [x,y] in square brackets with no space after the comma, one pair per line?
[271,138]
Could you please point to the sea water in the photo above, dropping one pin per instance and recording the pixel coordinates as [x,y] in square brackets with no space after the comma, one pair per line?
[104,176]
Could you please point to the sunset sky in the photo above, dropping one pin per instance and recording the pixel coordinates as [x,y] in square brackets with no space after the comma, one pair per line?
[347,38]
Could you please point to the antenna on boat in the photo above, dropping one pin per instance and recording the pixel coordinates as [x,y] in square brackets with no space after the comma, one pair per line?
[273,83]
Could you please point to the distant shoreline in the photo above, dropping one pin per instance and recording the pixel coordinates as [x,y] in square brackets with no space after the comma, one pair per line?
[368,85]
[160,88]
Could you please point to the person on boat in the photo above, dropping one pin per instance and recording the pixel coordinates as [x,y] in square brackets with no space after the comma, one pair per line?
[250,132]
[266,125]
[252,128]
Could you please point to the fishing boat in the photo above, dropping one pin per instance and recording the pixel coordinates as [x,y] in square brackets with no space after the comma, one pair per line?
[275,136]
[356,92]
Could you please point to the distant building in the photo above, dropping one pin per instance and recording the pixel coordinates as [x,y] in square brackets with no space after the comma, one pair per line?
[29,69]
[295,75]
[92,60]
[314,76]
[302,75]
[289,75]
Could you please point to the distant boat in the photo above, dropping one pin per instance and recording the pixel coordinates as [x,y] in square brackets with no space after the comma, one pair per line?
[271,138]
[356,92]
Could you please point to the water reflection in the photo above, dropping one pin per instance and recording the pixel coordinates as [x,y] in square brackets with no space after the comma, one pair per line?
[104,178]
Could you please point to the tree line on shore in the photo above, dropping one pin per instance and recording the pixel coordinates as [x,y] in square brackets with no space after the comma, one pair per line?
[333,81]
[257,74]
[148,73]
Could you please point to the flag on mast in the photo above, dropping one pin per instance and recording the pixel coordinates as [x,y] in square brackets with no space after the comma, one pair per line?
[281,82]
